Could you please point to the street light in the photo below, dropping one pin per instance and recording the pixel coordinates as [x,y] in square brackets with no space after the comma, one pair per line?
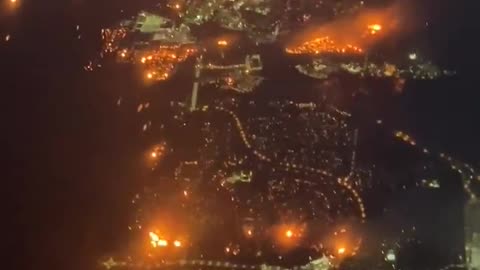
[390,257]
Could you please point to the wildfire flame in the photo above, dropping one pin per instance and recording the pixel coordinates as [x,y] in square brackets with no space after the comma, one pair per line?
[351,34]
[324,45]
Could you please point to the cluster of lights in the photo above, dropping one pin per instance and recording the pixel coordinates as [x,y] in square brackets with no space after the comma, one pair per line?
[111,38]
[467,174]
[159,64]
[156,241]
[158,151]
[324,45]
[285,165]
[345,183]
[405,137]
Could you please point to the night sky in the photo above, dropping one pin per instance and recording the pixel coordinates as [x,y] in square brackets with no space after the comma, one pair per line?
[69,170]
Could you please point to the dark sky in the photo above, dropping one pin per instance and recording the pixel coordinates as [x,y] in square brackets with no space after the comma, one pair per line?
[69,152]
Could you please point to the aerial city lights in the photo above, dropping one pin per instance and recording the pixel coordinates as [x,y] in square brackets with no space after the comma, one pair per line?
[238,171]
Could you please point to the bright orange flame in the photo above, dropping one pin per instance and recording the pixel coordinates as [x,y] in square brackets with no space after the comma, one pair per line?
[177,243]
[376,27]
[153,236]
[155,241]
[222,42]
[149,75]
[341,250]
[323,44]
[162,243]
[154,155]
[289,234]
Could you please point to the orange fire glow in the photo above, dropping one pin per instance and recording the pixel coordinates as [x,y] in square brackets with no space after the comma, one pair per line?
[161,62]
[158,151]
[222,43]
[350,34]
[289,235]
[156,241]
[324,45]
[374,28]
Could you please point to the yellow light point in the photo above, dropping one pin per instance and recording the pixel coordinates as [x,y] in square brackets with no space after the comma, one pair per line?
[177,243]
[289,234]
[150,75]
[149,57]
[177,6]
[185,193]
[13,1]
[154,154]
[123,55]
[249,233]
[376,27]
[143,60]
[341,250]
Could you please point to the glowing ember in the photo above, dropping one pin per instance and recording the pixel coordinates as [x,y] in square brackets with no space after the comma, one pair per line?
[177,243]
[323,45]
[289,234]
[222,43]
[374,28]
[341,250]
[158,151]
